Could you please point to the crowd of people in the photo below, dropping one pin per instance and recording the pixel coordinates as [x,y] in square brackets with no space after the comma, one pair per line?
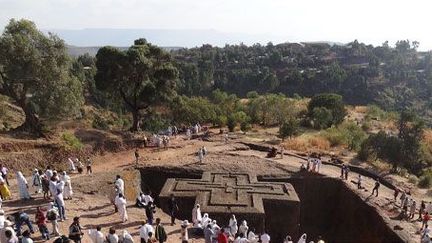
[232,232]
[56,187]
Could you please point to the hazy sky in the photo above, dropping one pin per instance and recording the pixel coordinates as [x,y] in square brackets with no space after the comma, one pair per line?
[369,21]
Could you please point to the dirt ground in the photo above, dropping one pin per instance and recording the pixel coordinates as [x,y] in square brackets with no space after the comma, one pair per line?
[91,192]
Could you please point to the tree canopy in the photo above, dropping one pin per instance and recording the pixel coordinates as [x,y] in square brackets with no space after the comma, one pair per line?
[142,76]
[35,74]
[328,107]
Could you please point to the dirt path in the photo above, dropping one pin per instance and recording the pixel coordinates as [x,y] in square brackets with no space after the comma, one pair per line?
[91,191]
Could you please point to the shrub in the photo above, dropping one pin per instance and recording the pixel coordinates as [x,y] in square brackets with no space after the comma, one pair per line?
[348,134]
[288,129]
[321,118]
[425,180]
[221,121]
[231,123]
[71,141]
[100,123]
[413,179]
[245,126]
[332,103]
[335,136]
[155,123]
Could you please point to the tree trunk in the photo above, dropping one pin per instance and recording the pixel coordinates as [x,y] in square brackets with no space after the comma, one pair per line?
[32,123]
[136,118]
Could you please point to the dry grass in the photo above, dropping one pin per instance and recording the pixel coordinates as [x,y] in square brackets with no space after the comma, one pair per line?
[319,143]
[427,137]
[305,143]
[361,109]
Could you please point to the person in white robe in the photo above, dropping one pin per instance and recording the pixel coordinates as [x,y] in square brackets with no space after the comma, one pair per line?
[125,237]
[196,216]
[71,165]
[2,218]
[49,173]
[302,239]
[96,235]
[22,186]
[112,237]
[7,226]
[215,227]
[144,231]
[244,228]
[53,186]
[205,220]
[121,203]
[52,215]
[37,181]
[67,193]
[59,200]
[288,239]
[119,185]
[233,225]
[265,238]
[200,155]
[146,198]
[252,237]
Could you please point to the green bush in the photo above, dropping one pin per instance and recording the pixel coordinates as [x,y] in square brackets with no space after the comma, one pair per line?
[288,129]
[321,118]
[231,123]
[425,180]
[335,136]
[245,126]
[348,133]
[100,123]
[413,179]
[155,123]
[221,121]
[71,141]
[332,103]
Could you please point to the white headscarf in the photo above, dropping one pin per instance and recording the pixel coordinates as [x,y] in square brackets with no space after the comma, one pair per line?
[302,238]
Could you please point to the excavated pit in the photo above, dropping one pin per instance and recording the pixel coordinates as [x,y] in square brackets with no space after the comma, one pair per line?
[328,208]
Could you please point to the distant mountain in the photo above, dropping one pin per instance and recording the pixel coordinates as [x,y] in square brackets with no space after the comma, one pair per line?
[160,37]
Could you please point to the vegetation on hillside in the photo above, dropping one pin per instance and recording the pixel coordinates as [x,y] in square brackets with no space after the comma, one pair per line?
[297,88]
[34,71]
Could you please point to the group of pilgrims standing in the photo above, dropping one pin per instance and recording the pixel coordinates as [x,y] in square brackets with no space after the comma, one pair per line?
[56,187]
[234,232]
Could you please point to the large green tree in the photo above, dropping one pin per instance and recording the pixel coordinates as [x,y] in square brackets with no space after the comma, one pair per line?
[331,102]
[35,74]
[142,76]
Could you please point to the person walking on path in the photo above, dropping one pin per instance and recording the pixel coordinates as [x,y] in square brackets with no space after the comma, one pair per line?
[426,218]
[376,187]
[173,209]
[89,166]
